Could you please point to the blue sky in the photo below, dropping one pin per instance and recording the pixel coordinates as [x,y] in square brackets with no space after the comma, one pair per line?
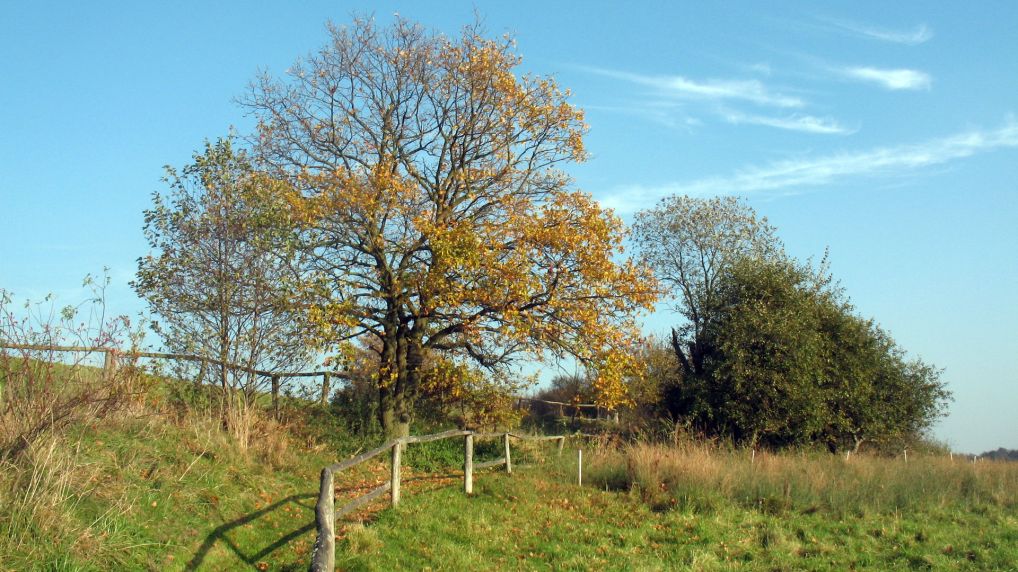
[884,131]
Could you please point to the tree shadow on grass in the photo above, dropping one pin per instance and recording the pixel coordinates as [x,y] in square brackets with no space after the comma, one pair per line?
[417,484]
[219,534]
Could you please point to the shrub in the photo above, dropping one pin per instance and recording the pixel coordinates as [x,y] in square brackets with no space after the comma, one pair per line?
[39,391]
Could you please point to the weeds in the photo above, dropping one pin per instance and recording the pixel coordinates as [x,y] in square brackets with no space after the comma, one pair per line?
[39,392]
[698,477]
[31,499]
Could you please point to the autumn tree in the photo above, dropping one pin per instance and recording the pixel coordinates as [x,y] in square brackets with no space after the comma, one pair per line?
[655,391]
[430,191]
[690,242]
[472,397]
[219,276]
[451,392]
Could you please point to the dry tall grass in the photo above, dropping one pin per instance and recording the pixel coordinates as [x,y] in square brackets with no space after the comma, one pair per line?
[44,391]
[42,396]
[37,491]
[701,477]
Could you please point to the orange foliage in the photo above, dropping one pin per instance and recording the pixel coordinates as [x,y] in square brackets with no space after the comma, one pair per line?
[432,193]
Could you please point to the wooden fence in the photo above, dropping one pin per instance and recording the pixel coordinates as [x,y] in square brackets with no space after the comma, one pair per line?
[112,355]
[324,555]
[323,558]
[564,406]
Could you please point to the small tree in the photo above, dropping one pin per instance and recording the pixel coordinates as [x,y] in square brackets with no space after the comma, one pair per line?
[430,194]
[656,391]
[219,277]
[876,393]
[469,396]
[792,364]
[764,379]
[690,243]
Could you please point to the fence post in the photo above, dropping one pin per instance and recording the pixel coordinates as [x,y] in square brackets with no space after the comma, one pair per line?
[579,467]
[275,396]
[109,364]
[561,443]
[468,464]
[324,555]
[326,382]
[508,459]
[397,453]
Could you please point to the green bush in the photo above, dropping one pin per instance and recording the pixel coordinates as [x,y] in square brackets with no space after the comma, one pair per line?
[447,454]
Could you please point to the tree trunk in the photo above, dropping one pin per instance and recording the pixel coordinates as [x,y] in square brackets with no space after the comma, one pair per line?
[275,397]
[402,357]
[393,410]
[393,424]
[224,381]
[326,389]
[687,371]
[388,382]
[201,373]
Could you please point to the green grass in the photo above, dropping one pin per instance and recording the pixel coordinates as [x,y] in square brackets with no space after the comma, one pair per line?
[150,492]
[530,522]
[161,486]
[535,519]
[147,494]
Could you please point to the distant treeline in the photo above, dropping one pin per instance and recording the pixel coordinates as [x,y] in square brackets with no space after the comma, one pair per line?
[1001,454]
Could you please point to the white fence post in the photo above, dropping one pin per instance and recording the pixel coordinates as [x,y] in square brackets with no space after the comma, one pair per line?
[508,459]
[397,453]
[468,464]
[579,467]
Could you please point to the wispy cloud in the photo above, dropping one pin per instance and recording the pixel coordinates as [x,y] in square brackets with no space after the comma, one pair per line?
[832,169]
[796,122]
[918,35]
[682,87]
[668,114]
[894,79]
[677,99]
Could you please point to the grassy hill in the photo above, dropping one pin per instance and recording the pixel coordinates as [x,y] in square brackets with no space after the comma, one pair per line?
[160,486]
[148,494]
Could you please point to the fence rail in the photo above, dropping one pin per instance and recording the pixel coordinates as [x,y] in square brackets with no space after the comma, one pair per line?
[563,406]
[162,355]
[323,557]
[111,356]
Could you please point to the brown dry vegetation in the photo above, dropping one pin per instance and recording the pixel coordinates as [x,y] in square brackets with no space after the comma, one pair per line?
[699,475]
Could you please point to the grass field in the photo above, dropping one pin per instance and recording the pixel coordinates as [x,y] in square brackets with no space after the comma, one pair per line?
[556,527]
[931,514]
[150,491]
[149,495]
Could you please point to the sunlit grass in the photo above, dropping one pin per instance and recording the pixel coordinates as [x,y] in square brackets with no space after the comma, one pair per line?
[662,508]
[697,475]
